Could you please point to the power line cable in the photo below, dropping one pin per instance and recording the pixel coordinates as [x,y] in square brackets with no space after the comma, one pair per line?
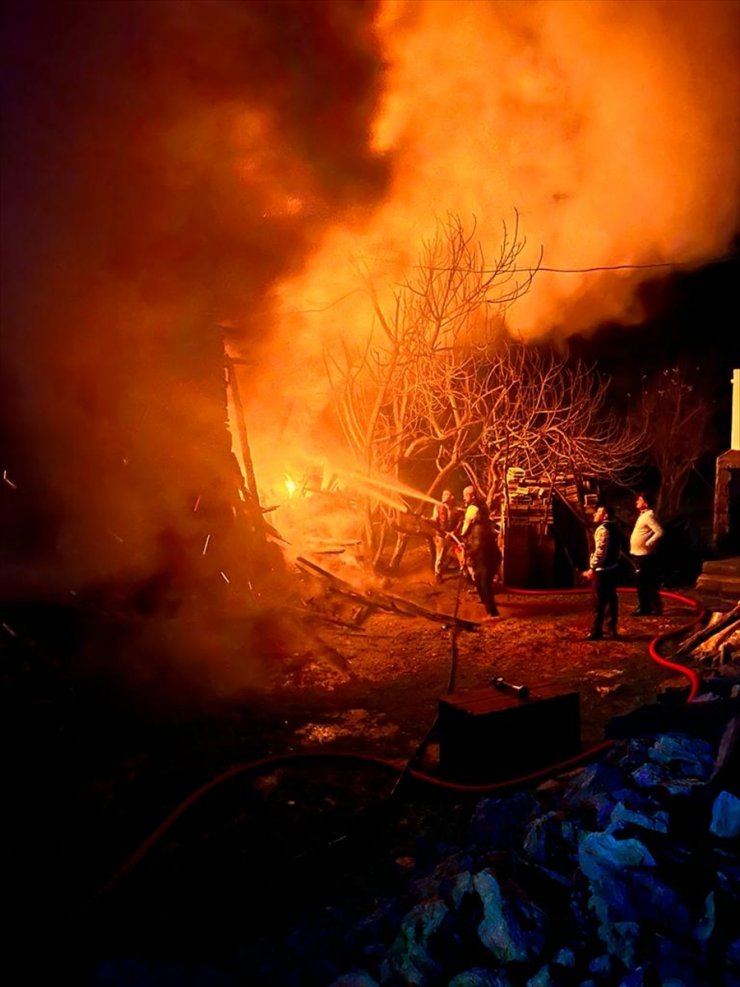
[673,265]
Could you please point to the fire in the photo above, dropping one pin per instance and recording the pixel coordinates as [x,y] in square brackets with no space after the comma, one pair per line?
[227,172]
[612,128]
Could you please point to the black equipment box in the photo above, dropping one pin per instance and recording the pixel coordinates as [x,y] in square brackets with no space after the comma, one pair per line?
[488,735]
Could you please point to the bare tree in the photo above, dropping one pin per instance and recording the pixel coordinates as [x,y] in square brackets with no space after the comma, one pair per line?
[396,398]
[677,417]
[439,384]
[551,419]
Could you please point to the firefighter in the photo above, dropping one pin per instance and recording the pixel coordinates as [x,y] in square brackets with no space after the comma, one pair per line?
[446,520]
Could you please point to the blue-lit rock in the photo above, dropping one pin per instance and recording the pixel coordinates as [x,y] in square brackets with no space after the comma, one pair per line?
[623,818]
[602,856]
[513,930]
[358,978]
[502,822]
[410,956]
[688,757]
[478,977]
[726,816]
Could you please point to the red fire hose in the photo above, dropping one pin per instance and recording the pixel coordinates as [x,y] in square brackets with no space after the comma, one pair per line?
[689,673]
[406,770]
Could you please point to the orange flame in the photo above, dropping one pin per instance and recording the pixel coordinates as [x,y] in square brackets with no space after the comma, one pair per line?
[612,128]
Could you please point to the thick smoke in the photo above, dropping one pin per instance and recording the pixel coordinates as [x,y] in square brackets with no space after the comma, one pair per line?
[173,165]
[612,128]
[165,165]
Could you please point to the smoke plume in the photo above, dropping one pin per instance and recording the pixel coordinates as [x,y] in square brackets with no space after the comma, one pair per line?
[613,129]
[175,165]
[166,164]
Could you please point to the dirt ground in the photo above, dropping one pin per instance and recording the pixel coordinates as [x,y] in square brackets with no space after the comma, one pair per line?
[380,684]
[90,785]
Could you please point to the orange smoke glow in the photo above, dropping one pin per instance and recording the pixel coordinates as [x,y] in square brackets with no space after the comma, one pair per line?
[612,128]
[177,164]
[603,123]
[177,171]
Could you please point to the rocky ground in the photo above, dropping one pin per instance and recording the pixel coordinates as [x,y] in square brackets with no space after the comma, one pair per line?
[96,767]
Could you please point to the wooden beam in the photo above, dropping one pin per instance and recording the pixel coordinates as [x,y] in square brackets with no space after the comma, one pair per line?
[712,628]
[385,601]
[241,425]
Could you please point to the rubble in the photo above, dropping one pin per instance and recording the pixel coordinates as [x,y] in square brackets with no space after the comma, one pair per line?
[622,873]
[609,852]
[718,642]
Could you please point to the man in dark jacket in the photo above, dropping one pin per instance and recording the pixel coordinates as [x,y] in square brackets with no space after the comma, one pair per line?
[603,572]
[482,554]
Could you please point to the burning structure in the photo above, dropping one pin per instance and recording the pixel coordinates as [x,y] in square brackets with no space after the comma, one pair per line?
[280,167]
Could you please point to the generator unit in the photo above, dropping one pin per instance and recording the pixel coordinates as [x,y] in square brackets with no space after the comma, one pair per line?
[503,731]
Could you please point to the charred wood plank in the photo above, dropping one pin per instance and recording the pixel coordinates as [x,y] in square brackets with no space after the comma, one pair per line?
[385,601]
[712,628]
[318,615]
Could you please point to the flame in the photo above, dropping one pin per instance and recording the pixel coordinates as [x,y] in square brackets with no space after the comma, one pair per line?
[252,164]
[612,128]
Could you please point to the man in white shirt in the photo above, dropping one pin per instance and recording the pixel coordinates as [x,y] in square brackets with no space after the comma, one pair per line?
[644,539]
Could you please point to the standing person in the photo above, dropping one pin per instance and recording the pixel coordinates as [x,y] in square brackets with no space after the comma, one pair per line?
[644,539]
[602,574]
[482,554]
[446,518]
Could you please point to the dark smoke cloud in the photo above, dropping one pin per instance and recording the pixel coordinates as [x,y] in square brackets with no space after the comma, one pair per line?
[164,163]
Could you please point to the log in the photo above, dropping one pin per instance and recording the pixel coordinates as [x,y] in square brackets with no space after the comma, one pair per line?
[241,425]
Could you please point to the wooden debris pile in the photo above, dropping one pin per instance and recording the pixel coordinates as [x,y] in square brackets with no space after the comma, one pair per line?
[528,499]
[717,643]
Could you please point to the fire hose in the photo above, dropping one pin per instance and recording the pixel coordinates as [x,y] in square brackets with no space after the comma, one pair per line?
[406,770]
[689,673]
